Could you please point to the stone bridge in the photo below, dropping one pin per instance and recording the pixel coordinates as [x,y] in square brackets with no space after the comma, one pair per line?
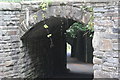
[27,52]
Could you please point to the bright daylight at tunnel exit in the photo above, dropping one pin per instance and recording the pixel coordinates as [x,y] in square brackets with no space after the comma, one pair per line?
[54,39]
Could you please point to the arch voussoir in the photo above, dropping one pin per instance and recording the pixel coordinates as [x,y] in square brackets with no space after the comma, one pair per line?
[64,11]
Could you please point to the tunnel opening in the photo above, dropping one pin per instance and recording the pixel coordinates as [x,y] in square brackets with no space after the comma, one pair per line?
[47,61]
[79,43]
[79,54]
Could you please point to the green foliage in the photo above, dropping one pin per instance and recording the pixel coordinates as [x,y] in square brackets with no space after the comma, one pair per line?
[44,5]
[45,26]
[89,9]
[87,29]
[73,30]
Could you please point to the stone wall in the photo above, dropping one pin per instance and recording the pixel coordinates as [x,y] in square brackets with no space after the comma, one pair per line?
[15,62]
[9,42]
[105,41]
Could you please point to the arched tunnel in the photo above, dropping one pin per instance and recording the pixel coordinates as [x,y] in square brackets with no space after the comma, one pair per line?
[48,53]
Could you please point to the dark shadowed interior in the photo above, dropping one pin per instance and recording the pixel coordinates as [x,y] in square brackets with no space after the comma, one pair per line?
[49,54]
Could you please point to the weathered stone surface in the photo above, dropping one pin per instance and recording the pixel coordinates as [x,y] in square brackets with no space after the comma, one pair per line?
[100,9]
[109,69]
[112,60]
[98,54]
[106,45]
[86,17]
[111,36]
[99,28]
[110,64]
[97,67]
[105,23]
[103,74]
[115,41]
[116,30]
[10,6]
[96,40]
[10,63]
[98,15]
[98,74]
[116,46]
[3,54]
[114,54]
[97,60]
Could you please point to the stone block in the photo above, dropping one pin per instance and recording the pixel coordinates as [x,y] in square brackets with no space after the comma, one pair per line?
[6,38]
[109,69]
[96,41]
[105,23]
[97,60]
[115,41]
[99,28]
[7,58]
[6,18]
[99,9]
[10,23]
[104,75]
[116,46]
[10,6]
[112,60]
[116,30]
[106,45]
[111,36]
[96,67]
[98,74]
[3,55]
[22,55]
[79,15]
[98,54]
[15,38]
[114,54]
[86,17]
[15,19]
[15,57]
[6,46]
[12,32]
[98,14]
[7,69]
[110,64]
[108,74]
[10,63]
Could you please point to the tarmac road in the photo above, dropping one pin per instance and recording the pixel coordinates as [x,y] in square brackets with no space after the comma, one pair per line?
[77,69]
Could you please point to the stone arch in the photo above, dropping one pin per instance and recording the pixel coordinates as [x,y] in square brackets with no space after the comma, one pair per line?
[56,10]
[54,14]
